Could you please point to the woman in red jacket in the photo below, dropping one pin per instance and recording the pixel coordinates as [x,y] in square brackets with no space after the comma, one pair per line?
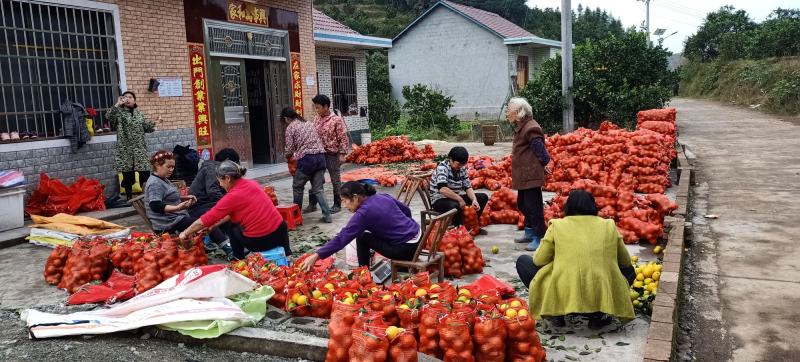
[253,221]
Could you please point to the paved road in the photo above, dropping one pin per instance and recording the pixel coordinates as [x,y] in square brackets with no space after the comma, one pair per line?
[742,296]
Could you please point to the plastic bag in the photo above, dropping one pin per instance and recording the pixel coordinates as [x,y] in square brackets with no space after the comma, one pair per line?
[117,288]
[254,303]
[53,197]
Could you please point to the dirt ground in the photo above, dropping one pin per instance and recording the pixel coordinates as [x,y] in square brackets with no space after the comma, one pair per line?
[741,291]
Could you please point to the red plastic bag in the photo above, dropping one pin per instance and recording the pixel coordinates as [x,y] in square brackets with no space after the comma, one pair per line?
[488,282]
[117,288]
[53,197]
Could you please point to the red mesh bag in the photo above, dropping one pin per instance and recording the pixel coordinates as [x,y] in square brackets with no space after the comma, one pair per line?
[489,336]
[298,301]
[369,343]
[403,348]
[77,270]
[148,274]
[470,217]
[455,339]
[54,267]
[321,303]
[523,342]
[340,330]
[428,329]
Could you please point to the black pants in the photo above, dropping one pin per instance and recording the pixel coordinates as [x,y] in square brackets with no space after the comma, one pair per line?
[526,270]
[200,208]
[444,205]
[367,241]
[279,237]
[129,178]
[334,167]
[530,203]
[215,235]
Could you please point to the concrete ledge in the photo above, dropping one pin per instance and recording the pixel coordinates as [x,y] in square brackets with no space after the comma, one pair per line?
[314,326]
[257,340]
[17,236]
[662,330]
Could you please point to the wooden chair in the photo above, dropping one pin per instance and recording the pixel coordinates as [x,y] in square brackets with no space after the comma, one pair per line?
[138,205]
[409,188]
[424,260]
[427,215]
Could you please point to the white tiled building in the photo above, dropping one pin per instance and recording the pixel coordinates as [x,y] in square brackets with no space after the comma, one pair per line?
[477,57]
[342,70]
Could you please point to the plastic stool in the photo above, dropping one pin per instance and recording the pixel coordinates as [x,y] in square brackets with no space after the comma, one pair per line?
[291,214]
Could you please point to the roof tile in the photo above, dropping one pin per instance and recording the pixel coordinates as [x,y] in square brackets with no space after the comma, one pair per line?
[491,20]
[323,22]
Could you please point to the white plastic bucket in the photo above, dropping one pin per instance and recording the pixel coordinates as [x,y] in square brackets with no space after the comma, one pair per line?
[12,215]
[366,138]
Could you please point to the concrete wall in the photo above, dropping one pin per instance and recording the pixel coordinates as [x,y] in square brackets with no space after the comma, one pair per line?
[449,52]
[354,123]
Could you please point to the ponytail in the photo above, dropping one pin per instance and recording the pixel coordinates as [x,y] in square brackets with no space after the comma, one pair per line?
[231,169]
[353,188]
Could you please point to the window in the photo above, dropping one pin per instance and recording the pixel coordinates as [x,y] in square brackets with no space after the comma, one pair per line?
[50,54]
[343,79]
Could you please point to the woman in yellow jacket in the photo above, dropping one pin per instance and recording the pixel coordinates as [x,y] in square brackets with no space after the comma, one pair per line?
[581,267]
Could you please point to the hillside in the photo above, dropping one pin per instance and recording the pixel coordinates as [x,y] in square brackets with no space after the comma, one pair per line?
[386,18]
[771,85]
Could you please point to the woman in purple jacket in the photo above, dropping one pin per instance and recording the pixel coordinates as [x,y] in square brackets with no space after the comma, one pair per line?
[379,223]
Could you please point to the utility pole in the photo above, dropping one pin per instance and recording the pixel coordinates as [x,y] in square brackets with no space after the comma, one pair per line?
[566,66]
[647,21]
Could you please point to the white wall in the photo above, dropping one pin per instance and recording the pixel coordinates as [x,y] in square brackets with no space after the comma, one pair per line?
[354,123]
[449,52]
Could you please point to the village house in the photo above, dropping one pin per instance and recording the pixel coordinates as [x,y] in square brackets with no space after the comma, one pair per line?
[477,57]
[224,70]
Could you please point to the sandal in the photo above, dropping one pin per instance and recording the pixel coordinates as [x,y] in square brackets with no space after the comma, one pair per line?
[15,135]
[24,135]
[4,136]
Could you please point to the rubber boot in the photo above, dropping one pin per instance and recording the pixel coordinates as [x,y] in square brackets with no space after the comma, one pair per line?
[323,205]
[525,238]
[534,244]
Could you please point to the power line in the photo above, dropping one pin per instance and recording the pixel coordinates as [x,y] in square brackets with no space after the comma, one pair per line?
[678,11]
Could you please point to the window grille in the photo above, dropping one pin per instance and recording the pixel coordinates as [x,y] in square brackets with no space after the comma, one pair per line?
[50,54]
[345,91]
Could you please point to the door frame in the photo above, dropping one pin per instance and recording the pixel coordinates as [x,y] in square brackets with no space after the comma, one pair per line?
[215,98]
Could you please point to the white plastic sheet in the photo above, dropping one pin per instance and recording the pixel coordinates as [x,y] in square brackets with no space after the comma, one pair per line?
[196,294]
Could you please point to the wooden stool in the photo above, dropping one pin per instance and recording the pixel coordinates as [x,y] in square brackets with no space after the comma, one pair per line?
[291,214]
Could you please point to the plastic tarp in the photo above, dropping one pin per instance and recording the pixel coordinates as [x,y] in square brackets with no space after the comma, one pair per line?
[197,294]
[254,303]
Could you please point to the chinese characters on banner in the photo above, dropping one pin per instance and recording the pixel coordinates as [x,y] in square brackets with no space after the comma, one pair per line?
[202,120]
[297,84]
[245,12]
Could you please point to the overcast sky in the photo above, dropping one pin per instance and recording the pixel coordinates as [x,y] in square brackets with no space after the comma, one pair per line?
[683,16]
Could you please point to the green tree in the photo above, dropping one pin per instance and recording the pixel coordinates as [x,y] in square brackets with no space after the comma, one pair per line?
[615,78]
[778,36]
[427,109]
[383,109]
[704,45]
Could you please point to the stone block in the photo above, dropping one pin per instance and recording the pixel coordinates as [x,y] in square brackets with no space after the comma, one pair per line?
[276,315]
[664,300]
[669,277]
[313,326]
[662,314]
[660,331]
[672,257]
[671,267]
[670,288]
[657,350]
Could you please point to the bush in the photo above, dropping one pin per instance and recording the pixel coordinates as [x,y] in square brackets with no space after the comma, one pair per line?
[427,109]
[383,109]
[614,78]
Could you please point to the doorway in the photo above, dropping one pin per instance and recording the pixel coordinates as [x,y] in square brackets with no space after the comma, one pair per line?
[260,112]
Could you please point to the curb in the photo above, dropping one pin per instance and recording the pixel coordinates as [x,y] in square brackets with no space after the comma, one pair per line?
[661,334]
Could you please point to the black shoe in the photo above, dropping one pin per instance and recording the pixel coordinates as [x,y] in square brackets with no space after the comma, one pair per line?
[335,209]
[309,209]
[556,322]
[598,322]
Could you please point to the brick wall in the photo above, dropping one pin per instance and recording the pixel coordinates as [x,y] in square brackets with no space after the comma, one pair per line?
[354,123]
[308,62]
[154,45]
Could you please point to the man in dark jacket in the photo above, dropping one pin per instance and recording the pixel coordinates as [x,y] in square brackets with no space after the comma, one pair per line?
[208,191]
